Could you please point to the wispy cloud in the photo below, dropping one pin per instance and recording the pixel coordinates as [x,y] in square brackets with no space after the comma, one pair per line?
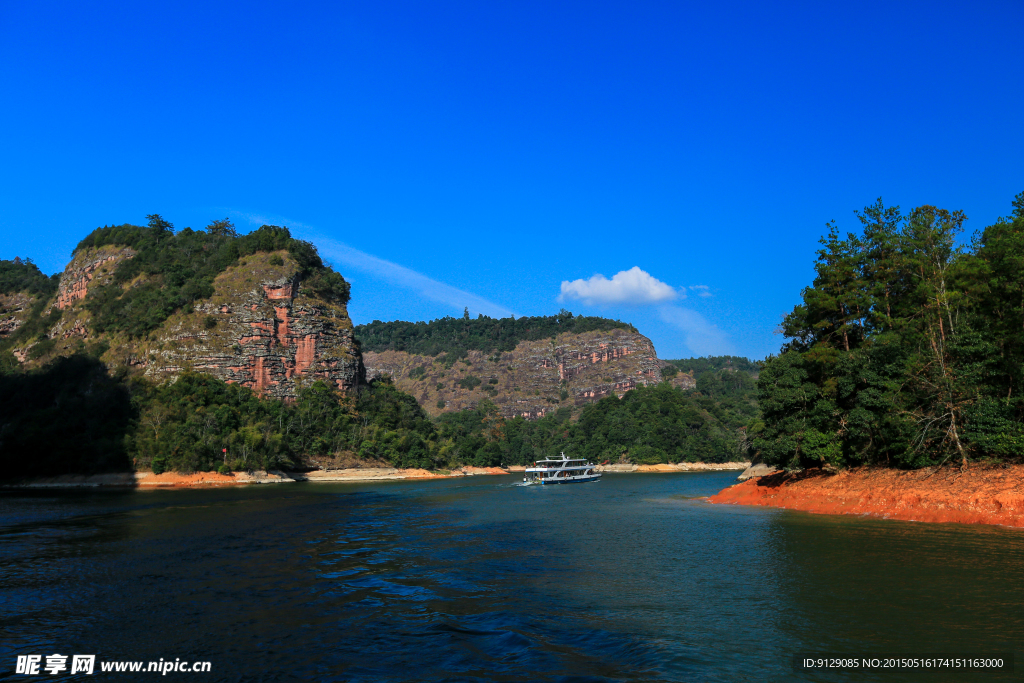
[633,286]
[701,336]
[700,290]
[341,254]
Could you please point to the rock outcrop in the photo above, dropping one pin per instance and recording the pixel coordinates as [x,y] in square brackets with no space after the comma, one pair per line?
[92,267]
[261,328]
[14,309]
[758,469]
[534,379]
[84,269]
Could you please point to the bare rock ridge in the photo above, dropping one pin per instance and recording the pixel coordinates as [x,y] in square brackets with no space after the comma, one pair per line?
[90,267]
[260,328]
[534,379]
[83,269]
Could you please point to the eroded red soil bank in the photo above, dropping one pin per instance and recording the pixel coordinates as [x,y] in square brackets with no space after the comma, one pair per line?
[147,480]
[979,495]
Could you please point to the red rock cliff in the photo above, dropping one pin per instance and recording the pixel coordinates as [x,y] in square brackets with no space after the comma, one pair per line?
[534,379]
[263,332]
[261,328]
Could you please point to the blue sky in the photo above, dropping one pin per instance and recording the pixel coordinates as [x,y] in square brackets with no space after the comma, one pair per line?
[671,164]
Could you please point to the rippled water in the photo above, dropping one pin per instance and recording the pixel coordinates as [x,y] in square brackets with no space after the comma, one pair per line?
[630,578]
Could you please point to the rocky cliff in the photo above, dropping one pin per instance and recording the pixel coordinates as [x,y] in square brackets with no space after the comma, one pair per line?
[535,378]
[89,267]
[260,328]
[14,309]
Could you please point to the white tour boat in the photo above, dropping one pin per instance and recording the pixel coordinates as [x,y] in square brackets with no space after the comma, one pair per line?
[561,471]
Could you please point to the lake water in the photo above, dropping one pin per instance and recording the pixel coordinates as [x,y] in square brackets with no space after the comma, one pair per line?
[478,579]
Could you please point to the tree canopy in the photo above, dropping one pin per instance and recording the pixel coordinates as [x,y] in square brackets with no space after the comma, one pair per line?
[907,349]
[711,364]
[456,336]
[19,275]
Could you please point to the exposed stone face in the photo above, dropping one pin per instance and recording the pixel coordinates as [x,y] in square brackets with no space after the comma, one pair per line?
[84,268]
[269,336]
[90,268]
[267,333]
[530,380]
[14,308]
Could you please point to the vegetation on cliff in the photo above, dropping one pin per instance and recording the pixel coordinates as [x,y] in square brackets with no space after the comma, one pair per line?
[19,275]
[713,364]
[908,350]
[175,269]
[455,337]
[24,279]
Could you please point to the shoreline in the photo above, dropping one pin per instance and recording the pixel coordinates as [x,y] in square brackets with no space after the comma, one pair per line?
[148,480]
[983,494]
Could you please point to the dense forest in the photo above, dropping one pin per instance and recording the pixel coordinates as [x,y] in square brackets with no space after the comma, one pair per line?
[648,425]
[907,349]
[72,415]
[19,275]
[455,337]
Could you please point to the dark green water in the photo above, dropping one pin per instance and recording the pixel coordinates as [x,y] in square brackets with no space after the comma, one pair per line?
[630,578]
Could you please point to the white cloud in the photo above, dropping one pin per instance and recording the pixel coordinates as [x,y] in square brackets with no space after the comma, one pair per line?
[701,336]
[340,253]
[633,286]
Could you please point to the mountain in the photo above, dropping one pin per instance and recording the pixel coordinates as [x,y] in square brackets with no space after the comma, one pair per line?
[530,380]
[250,310]
[207,350]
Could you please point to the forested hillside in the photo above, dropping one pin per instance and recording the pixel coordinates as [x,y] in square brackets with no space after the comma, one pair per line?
[24,293]
[19,275]
[711,364]
[89,388]
[167,272]
[648,425]
[72,415]
[182,266]
[908,349]
[455,337]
